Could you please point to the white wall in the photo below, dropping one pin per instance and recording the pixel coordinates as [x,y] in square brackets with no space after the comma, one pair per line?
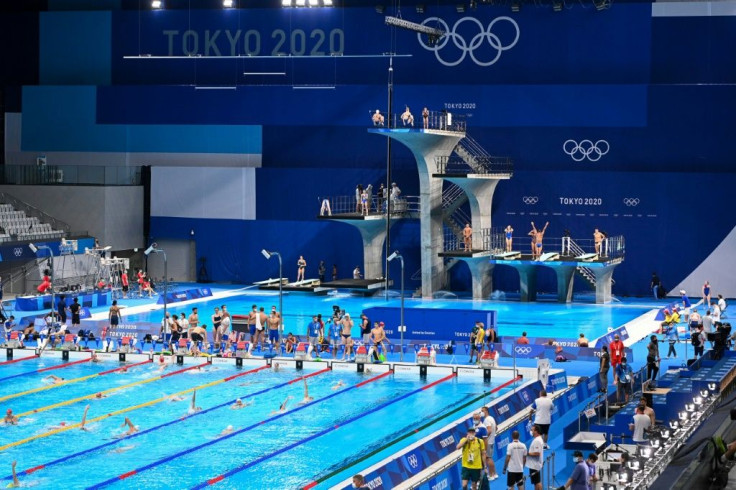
[203,192]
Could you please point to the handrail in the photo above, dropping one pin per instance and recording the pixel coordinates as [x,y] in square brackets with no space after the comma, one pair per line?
[456,165]
[32,211]
[375,205]
[486,239]
[108,175]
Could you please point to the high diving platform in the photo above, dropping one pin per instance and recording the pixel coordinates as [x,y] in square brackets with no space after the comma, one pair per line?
[596,268]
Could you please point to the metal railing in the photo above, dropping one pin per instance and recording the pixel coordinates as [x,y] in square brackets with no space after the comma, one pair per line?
[486,239]
[611,247]
[34,212]
[441,120]
[375,205]
[70,175]
[457,165]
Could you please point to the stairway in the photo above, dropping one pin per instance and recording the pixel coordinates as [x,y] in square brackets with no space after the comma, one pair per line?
[585,272]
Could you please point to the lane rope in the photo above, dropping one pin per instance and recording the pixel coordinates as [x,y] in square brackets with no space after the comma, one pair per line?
[43,370]
[12,361]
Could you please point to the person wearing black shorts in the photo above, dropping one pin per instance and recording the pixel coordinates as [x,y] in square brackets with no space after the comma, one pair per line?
[61,308]
[535,457]
[514,463]
[75,308]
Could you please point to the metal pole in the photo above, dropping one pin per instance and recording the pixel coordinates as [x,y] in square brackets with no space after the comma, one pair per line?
[281,296]
[166,284]
[403,327]
[388,170]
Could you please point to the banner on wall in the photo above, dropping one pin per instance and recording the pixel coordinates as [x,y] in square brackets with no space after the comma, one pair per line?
[429,324]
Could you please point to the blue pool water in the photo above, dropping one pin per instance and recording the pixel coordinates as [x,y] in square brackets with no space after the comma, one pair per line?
[265,431]
[538,319]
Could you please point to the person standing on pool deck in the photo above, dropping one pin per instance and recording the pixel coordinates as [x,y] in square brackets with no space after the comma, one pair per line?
[365,328]
[61,308]
[114,315]
[216,322]
[535,457]
[490,424]
[252,322]
[347,328]
[616,349]
[604,367]
[537,237]
[542,412]
[301,267]
[515,460]
[473,461]
[194,318]
[274,321]
[75,308]
[706,294]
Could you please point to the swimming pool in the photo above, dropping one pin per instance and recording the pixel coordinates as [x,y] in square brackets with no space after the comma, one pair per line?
[551,319]
[351,414]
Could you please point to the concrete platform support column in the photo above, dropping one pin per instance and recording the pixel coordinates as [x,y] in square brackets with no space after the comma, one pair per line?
[479,190]
[527,282]
[481,272]
[603,277]
[565,280]
[373,232]
[426,146]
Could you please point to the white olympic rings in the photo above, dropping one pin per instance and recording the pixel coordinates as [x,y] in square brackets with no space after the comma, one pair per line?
[18,251]
[413,460]
[631,201]
[586,149]
[529,200]
[468,48]
[523,350]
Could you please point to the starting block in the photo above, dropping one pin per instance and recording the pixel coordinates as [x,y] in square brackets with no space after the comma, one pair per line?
[361,355]
[488,359]
[423,357]
[13,341]
[302,351]
[513,255]
[242,349]
[587,258]
[182,347]
[549,256]
[68,342]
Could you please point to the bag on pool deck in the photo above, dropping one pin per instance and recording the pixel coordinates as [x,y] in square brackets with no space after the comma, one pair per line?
[484,483]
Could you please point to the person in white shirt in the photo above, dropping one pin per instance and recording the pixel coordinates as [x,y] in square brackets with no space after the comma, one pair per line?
[490,424]
[514,463]
[535,458]
[722,304]
[542,412]
[640,423]
[708,325]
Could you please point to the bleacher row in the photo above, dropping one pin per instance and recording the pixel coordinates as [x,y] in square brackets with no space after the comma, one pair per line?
[17,226]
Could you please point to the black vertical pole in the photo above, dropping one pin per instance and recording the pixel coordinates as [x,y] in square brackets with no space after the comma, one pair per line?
[389,118]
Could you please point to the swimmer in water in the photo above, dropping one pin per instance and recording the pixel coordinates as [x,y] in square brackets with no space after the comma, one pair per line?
[282,408]
[239,404]
[276,368]
[175,398]
[10,419]
[307,398]
[94,357]
[100,395]
[193,408]
[54,380]
[338,385]
[227,430]
[132,429]
[84,419]
[16,482]
[122,449]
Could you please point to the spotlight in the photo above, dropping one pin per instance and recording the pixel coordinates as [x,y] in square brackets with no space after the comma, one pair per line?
[150,249]
[460,8]
[266,253]
[698,400]
[420,8]
[327,3]
[286,3]
[712,387]
[704,393]
[33,248]
[313,3]
[228,4]
[684,416]
[690,407]
[301,3]
[674,424]
[515,5]
[157,4]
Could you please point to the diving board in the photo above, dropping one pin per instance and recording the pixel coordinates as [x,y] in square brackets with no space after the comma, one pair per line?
[587,257]
[271,282]
[549,256]
[513,255]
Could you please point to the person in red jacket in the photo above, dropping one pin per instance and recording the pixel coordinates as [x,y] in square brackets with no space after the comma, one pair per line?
[616,349]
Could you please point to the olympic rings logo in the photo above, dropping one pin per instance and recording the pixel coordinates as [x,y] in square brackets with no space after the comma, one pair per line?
[586,149]
[523,350]
[631,201]
[17,251]
[529,200]
[413,461]
[468,48]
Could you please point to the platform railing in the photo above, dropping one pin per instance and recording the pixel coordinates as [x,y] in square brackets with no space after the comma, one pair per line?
[485,239]
[376,205]
[440,120]
[455,165]
[610,247]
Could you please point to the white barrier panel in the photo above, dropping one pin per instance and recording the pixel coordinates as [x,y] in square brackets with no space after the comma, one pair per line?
[467,372]
[439,370]
[343,366]
[52,354]
[377,368]
[406,369]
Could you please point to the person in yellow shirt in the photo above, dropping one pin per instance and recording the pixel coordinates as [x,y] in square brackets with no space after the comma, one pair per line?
[480,337]
[473,462]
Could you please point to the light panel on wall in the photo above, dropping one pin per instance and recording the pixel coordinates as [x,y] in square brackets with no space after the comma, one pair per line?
[228,4]
[301,3]
[286,3]
[327,3]
[157,4]
[313,3]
